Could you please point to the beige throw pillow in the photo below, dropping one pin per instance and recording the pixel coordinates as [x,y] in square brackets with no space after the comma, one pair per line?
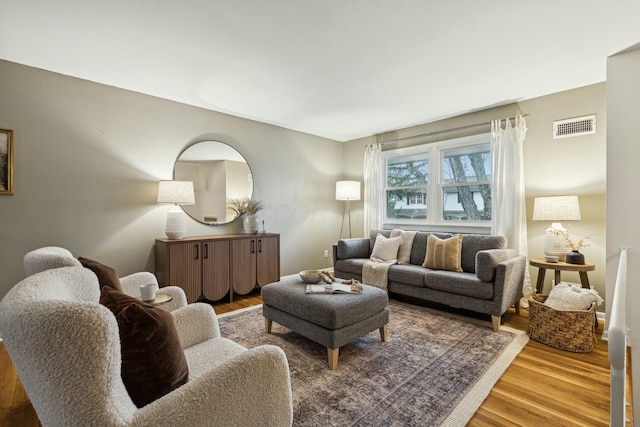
[386,249]
[444,254]
[404,252]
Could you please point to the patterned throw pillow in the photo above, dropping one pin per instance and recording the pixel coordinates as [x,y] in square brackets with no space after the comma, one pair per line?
[444,254]
[386,249]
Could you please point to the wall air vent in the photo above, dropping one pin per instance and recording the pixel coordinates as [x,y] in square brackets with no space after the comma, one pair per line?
[584,125]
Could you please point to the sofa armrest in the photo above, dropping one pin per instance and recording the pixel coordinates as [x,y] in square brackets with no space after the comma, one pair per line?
[353,248]
[509,281]
[259,375]
[196,323]
[487,261]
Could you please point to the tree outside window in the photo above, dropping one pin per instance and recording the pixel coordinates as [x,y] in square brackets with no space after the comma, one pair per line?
[466,179]
[464,185]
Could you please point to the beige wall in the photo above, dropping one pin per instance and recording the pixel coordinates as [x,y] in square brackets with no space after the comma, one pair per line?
[88,158]
[574,165]
[568,166]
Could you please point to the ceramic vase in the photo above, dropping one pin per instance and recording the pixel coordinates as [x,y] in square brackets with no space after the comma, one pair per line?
[251,224]
[575,257]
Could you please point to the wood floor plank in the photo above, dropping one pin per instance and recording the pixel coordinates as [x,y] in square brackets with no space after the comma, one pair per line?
[543,386]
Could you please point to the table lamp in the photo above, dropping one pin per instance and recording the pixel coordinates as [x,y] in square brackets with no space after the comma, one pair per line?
[556,209]
[178,193]
[347,191]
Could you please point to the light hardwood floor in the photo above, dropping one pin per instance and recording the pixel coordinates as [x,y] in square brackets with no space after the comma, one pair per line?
[543,386]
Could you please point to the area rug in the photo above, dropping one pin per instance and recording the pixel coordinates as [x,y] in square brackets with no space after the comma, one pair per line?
[435,369]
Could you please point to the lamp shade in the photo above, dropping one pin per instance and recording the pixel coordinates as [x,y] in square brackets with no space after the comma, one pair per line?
[556,208]
[178,192]
[348,190]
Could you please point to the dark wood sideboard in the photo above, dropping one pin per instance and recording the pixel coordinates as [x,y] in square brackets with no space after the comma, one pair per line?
[212,267]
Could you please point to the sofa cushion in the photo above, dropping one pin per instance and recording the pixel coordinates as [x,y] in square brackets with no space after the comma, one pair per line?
[352,266]
[443,254]
[466,284]
[107,276]
[408,274]
[386,248]
[473,243]
[153,361]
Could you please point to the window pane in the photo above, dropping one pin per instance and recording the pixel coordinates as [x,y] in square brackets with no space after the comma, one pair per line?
[408,204]
[408,171]
[467,164]
[466,203]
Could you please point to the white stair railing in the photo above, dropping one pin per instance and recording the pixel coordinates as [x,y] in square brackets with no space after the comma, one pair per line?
[617,337]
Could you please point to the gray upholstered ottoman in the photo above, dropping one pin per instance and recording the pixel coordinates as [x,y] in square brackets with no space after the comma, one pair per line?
[331,320]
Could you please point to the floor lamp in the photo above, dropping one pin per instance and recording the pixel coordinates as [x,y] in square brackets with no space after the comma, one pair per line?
[347,191]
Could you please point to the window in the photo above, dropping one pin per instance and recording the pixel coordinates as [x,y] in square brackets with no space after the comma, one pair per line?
[440,183]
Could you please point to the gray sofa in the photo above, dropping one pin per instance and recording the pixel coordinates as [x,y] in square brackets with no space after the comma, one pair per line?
[490,283]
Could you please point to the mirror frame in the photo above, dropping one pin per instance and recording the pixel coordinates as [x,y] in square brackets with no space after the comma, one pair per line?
[226,148]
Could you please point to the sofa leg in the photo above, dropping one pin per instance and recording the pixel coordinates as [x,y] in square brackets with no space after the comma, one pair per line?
[517,307]
[384,333]
[495,320]
[332,355]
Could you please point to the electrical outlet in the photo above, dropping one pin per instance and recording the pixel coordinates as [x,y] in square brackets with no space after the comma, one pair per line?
[326,253]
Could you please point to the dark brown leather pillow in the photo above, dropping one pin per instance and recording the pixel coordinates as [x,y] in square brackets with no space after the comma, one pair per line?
[107,276]
[153,361]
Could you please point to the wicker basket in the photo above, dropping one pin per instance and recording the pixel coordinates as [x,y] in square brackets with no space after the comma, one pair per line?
[571,330]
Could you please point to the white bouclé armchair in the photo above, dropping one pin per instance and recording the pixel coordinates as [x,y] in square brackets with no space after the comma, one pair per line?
[66,349]
[55,257]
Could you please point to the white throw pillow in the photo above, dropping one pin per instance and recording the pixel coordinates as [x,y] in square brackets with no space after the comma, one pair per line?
[386,249]
[570,296]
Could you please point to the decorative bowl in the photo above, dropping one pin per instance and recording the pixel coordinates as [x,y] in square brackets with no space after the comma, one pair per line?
[310,276]
[551,258]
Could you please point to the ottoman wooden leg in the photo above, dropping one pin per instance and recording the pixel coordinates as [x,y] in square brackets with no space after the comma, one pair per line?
[332,354]
[383,333]
[267,325]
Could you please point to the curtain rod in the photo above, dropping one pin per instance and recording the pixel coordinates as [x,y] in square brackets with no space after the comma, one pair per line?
[438,132]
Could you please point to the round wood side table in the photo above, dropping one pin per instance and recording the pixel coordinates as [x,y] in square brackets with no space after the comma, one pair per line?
[543,265]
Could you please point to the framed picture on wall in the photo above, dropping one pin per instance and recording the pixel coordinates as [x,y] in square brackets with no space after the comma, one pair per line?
[6,161]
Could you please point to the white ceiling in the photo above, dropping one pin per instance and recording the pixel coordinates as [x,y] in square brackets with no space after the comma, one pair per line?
[341,69]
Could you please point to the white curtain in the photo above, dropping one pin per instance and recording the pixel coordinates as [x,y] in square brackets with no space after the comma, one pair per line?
[373,187]
[509,218]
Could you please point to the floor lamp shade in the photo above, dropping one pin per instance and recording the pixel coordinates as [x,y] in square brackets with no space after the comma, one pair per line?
[556,209]
[178,193]
[347,191]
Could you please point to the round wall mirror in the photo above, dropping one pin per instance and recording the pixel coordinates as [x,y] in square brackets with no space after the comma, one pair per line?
[219,173]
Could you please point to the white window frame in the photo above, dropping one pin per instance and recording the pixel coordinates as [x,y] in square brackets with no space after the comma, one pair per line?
[435,152]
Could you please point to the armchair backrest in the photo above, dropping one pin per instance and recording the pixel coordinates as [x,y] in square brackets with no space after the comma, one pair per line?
[66,348]
[47,258]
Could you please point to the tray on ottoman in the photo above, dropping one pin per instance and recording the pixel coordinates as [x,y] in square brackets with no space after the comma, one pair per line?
[331,320]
